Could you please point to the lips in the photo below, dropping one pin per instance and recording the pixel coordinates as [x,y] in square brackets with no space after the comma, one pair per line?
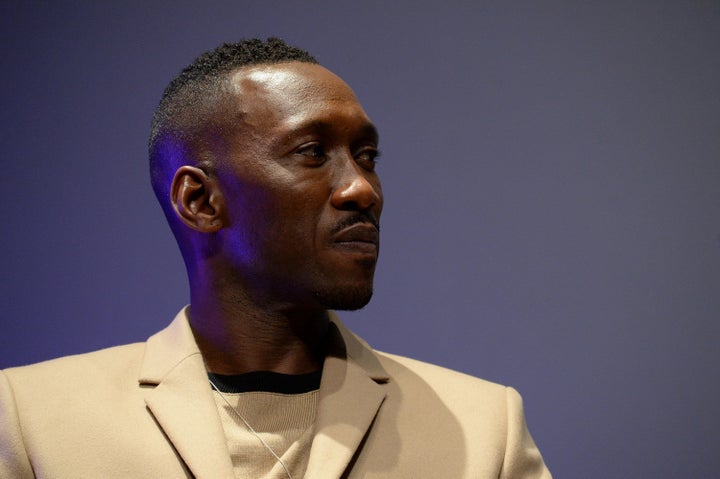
[361,238]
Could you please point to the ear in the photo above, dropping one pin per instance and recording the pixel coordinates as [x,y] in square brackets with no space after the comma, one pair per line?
[197,200]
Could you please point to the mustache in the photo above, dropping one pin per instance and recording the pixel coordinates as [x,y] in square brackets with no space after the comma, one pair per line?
[359,217]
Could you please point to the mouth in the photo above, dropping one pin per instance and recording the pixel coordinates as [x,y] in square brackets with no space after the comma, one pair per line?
[360,238]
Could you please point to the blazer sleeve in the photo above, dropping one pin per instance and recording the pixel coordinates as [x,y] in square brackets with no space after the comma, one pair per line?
[522,457]
[14,461]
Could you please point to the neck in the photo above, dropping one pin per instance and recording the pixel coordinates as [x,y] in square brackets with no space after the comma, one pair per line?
[236,336]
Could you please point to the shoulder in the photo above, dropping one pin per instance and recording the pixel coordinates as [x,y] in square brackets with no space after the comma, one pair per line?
[415,381]
[115,365]
[91,360]
[479,423]
[476,404]
[443,380]
[63,399]
[407,372]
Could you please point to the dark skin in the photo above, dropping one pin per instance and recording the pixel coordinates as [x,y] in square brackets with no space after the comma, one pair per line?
[285,226]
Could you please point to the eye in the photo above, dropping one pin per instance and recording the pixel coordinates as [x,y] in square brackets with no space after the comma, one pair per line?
[367,157]
[313,152]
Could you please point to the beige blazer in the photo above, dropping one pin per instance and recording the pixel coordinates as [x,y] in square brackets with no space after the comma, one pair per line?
[146,410]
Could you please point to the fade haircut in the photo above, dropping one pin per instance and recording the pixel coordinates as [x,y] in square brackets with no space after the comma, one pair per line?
[188,101]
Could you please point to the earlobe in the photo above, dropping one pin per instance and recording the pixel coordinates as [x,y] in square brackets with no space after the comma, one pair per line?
[197,199]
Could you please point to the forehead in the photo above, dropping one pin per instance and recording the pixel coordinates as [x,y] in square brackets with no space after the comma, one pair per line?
[290,94]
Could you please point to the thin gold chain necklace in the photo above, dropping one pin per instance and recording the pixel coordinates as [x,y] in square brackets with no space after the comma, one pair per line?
[252,430]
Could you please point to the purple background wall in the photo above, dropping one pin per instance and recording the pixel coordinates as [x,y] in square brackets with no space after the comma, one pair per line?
[552,180]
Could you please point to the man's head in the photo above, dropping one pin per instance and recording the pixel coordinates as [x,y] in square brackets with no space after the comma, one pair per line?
[264,163]
[190,98]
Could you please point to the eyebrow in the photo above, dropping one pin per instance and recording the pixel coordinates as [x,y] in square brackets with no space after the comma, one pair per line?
[368,129]
[371,130]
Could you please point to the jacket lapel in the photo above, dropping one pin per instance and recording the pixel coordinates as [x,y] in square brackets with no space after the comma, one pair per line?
[182,401]
[351,394]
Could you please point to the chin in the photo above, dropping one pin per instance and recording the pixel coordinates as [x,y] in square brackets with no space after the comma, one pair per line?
[345,299]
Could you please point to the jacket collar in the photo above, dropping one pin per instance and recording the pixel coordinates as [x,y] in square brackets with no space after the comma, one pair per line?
[351,394]
[182,401]
[184,407]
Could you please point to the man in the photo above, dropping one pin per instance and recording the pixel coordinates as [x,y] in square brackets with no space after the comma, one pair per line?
[264,164]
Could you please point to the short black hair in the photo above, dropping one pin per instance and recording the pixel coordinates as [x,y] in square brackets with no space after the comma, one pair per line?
[197,85]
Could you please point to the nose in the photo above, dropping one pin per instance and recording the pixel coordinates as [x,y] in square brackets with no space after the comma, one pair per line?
[357,189]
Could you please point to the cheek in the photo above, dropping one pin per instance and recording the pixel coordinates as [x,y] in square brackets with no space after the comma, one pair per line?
[250,205]
[296,221]
[250,212]
[277,210]
[300,202]
[268,224]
